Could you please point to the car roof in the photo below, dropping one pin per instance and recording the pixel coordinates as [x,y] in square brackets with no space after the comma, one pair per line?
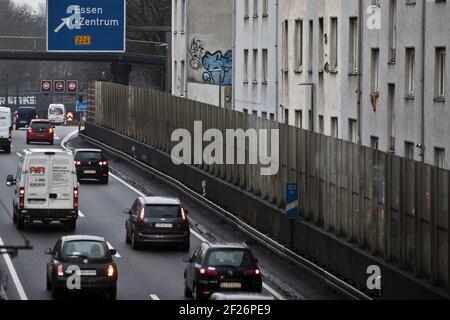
[56,105]
[161,200]
[82,238]
[242,296]
[26,107]
[5,109]
[88,150]
[43,151]
[241,245]
[40,120]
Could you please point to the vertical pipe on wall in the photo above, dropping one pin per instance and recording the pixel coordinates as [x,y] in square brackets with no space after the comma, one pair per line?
[360,67]
[422,120]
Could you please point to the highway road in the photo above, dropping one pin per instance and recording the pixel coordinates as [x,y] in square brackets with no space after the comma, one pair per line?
[149,274]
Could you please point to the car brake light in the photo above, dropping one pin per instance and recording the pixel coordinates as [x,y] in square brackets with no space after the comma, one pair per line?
[103,163]
[60,270]
[21,197]
[78,163]
[111,271]
[208,271]
[142,215]
[50,130]
[75,198]
[183,214]
[252,272]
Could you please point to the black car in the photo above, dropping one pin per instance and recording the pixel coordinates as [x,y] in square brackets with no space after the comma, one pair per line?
[91,164]
[157,220]
[86,256]
[221,268]
[24,115]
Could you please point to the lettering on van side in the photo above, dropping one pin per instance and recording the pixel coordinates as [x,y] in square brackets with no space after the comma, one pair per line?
[37,170]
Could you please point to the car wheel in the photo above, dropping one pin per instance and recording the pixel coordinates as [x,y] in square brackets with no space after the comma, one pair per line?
[104,180]
[135,245]
[7,149]
[187,291]
[112,293]
[14,217]
[55,293]
[196,293]
[51,142]
[49,284]
[127,237]
[185,246]
[28,141]
[71,225]
[20,223]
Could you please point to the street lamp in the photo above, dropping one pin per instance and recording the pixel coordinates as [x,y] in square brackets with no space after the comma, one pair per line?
[313,101]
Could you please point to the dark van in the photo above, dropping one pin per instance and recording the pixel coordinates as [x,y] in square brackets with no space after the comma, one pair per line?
[24,115]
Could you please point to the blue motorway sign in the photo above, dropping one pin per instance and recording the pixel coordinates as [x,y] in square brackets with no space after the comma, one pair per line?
[81,106]
[86,25]
[292,210]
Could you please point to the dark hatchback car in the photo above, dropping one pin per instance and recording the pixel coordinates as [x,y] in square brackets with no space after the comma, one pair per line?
[91,164]
[221,268]
[157,220]
[24,115]
[89,258]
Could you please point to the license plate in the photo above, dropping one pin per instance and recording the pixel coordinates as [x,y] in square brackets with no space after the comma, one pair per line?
[89,273]
[230,285]
[89,171]
[41,135]
[23,122]
[31,201]
[163,225]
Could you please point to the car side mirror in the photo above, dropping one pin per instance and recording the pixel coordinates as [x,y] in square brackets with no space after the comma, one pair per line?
[112,252]
[10,181]
[127,211]
[187,260]
[48,252]
[53,126]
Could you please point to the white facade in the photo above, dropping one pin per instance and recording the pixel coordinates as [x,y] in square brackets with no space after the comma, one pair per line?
[397,113]
[257,63]
[202,57]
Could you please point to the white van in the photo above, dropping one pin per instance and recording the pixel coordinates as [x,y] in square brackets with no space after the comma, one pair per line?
[46,188]
[5,129]
[57,114]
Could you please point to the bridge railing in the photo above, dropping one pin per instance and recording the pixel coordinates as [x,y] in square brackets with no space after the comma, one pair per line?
[24,43]
[395,208]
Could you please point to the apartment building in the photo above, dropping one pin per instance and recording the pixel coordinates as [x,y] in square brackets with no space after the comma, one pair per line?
[403,106]
[257,63]
[202,58]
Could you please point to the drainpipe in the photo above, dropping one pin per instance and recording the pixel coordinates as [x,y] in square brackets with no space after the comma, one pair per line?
[277,62]
[422,125]
[234,84]
[360,67]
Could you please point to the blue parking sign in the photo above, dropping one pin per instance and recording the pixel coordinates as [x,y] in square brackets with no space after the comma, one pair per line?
[86,25]
[81,106]
[292,205]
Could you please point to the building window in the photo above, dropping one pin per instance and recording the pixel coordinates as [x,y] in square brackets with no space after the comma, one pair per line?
[321,125]
[334,44]
[392,30]
[182,74]
[410,72]
[310,119]
[255,8]
[245,111]
[440,73]
[245,65]
[272,116]
[298,119]
[246,8]
[311,45]
[255,66]
[409,150]
[175,77]
[175,15]
[265,8]
[298,43]
[255,113]
[286,116]
[374,85]
[353,45]
[286,45]
[334,127]
[264,115]
[391,116]
[265,66]
[183,15]
[352,130]
[320,51]
[439,157]
[374,142]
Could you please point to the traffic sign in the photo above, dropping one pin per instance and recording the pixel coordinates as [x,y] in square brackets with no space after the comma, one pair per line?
[59,86]
[86,25]
[69,116]
[81,106]
[72,86]
[292,210]
[46,86]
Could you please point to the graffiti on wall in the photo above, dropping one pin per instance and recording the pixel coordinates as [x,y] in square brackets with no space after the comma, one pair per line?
[216,66]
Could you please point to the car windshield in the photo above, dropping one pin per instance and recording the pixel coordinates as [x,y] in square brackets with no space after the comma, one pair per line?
[26,112]
[85,249]
[56,111]
[40,125]
[238,258]
[88,156]
[162,211]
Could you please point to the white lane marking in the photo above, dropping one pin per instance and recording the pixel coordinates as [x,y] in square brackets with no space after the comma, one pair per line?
[13,273]
[57,138]
[19,154]
[81,214]
[273,292]
[154,297]
[117,255]
[200,237]
[67,138]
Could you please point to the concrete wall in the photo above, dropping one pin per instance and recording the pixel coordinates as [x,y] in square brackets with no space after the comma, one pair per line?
[203,52]
[258,33]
